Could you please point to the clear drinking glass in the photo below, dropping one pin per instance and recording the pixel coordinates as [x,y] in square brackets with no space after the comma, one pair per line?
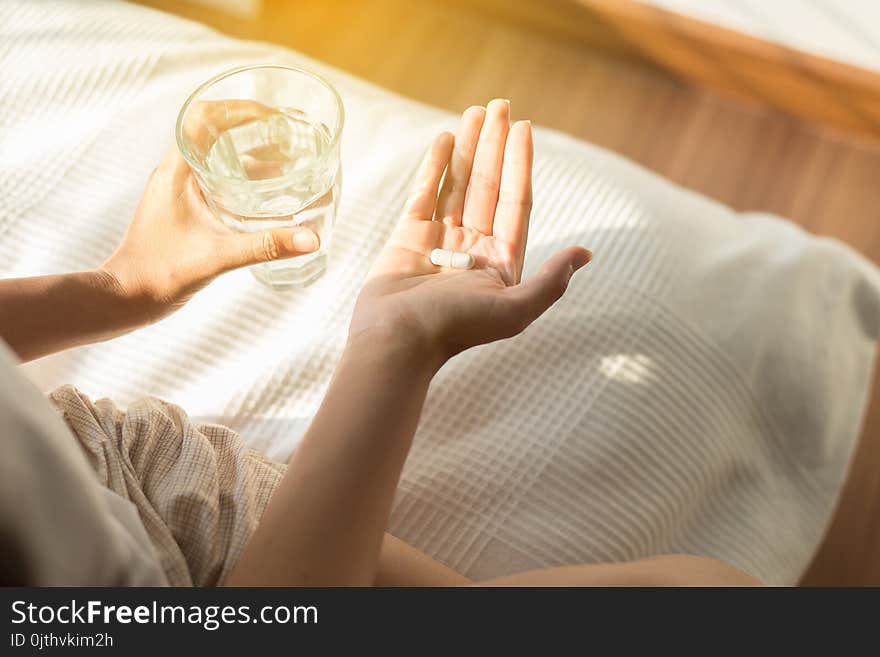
[263,142]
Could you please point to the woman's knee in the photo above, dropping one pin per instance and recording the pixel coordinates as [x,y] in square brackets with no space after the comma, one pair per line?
[692,570]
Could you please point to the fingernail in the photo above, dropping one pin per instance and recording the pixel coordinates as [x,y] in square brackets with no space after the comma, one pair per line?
[305,240]
[581,259]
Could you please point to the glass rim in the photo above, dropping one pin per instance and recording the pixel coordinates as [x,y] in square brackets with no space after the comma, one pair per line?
[192,162]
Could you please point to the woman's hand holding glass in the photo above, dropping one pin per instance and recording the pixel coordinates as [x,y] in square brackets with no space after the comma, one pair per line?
[175,244]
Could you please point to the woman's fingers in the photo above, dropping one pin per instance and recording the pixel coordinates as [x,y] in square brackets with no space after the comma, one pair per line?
[450,204]
[423,197]
[534,296]
[482,191]
[515,194]
[243,249]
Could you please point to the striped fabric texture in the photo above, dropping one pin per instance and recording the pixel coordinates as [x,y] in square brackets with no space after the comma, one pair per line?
[699,389]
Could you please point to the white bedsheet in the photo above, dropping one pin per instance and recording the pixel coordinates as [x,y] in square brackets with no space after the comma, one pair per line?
[699,389]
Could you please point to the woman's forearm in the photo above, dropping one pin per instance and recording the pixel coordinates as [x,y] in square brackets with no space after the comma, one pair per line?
[44,314]
[324,525]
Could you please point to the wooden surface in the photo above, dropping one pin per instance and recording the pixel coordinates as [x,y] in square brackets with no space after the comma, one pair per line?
[850,554]
[750,157]
[748,68]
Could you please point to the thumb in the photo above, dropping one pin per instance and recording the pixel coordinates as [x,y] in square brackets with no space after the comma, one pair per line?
[243,249]
[536,294]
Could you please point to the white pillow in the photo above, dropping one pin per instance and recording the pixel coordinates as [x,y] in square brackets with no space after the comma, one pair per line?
[699,389]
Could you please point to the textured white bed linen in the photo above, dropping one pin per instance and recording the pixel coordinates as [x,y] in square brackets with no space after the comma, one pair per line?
[699,389]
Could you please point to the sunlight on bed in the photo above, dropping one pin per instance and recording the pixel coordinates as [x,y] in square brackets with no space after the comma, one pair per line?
[627,368]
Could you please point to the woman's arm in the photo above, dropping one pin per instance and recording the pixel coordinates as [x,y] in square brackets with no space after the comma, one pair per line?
[44,314]
[324,525]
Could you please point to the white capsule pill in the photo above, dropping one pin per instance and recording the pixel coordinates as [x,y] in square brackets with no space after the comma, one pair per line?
[441,257]
[450,258]
[461,260]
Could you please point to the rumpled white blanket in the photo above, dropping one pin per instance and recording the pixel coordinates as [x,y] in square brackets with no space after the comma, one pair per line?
[699,389]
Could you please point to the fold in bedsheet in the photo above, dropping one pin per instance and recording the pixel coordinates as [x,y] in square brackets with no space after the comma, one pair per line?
[698,390]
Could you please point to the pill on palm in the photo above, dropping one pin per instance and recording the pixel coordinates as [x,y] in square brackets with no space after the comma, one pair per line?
[450,258]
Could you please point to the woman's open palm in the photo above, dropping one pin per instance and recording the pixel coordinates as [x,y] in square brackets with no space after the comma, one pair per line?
[483,209]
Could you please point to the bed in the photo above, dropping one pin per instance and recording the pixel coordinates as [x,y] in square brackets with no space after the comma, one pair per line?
[700,391]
